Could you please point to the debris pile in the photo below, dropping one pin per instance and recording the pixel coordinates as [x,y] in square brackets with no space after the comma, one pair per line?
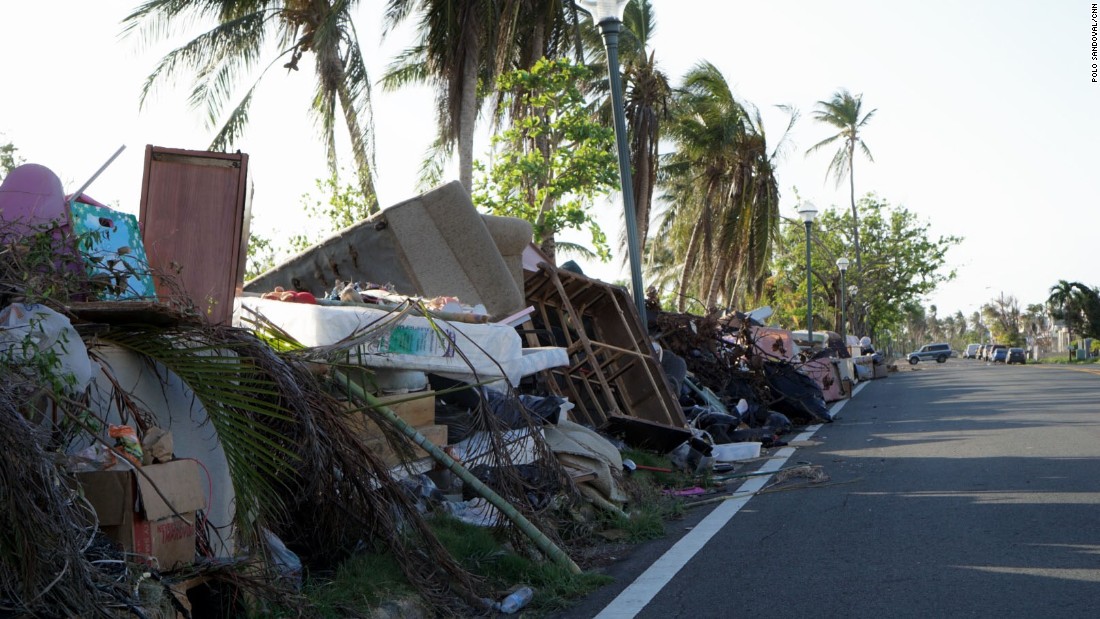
[259,431]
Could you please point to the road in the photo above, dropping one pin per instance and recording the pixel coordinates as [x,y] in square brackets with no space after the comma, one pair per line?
[956,490]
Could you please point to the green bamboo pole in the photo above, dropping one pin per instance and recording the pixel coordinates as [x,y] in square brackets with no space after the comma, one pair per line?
[557,555]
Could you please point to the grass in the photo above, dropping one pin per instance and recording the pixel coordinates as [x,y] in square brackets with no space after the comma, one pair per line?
[368,581]
[1064,360]
[361,582]
[480,551]
[649,508]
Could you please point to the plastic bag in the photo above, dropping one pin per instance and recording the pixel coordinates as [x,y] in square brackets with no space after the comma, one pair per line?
[693,456]
[283,559]
[157,445]
[801,397]
[95,457]
[127,444]
[28,330]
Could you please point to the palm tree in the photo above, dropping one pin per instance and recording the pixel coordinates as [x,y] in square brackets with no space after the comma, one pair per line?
[843,112]
[463,43]
[722,186]
[220,57]
[1077,305]
[648,96]
[448,54]
[1060,299]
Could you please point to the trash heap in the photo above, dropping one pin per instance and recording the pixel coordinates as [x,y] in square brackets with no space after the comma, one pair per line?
[738,385]
[167,418]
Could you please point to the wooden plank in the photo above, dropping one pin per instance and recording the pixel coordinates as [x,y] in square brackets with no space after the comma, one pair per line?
[380,446]
[417,412]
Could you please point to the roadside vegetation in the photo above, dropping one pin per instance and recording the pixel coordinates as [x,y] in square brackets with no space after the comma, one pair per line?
[375,582]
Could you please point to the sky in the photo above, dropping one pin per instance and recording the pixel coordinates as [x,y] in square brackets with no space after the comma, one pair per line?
[987,122]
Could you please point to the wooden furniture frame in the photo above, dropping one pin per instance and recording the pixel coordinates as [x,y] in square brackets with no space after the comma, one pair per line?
[613,373]
[194,221]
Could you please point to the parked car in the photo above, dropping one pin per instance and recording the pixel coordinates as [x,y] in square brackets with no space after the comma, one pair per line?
[971,351]
[1016,355]
[939,352]
[999,354]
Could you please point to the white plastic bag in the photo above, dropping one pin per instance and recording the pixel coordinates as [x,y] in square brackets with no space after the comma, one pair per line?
[28,331]
[283,559]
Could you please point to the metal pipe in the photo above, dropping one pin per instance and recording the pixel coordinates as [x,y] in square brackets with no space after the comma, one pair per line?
[76,196]
[610,28]
[809,292]
[843,313]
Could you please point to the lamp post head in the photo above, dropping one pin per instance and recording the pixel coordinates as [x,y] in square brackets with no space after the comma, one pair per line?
[602,10]
[808,212]
[842,264]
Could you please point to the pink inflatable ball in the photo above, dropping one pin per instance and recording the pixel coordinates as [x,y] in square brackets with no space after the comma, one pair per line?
[32,195]
[32,201]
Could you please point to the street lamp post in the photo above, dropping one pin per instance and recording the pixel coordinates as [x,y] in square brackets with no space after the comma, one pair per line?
[608,15]
[842,264]
[808,213]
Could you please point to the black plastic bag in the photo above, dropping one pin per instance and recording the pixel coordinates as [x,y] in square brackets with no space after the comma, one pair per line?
[739,388]
[798,395]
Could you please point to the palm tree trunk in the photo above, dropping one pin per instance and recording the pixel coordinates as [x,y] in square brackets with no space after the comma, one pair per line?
[467,119]
[549,244]
[643,194]
[716,280]
[858,319]
[855,213]
[359,149]
[689,264]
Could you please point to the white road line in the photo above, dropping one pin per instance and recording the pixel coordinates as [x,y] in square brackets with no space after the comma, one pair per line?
[640,592]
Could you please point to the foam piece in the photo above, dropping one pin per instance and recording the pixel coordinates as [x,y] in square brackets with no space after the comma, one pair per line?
[409,342]
[435,244]
[450,252]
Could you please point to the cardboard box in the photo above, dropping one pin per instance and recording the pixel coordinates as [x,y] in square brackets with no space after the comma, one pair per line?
[437,435]
[133,513]
[417,412]
[879,370]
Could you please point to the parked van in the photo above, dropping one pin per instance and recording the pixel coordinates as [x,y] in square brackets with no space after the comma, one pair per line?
[971,351]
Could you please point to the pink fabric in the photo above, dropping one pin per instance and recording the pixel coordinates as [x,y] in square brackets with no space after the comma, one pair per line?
[826,375]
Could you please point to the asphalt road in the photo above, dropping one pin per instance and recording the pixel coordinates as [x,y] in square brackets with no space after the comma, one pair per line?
[956,490]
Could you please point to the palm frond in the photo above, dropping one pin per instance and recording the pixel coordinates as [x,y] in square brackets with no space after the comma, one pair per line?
[409,67]
[234,125]
[432,166]
[576,250]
